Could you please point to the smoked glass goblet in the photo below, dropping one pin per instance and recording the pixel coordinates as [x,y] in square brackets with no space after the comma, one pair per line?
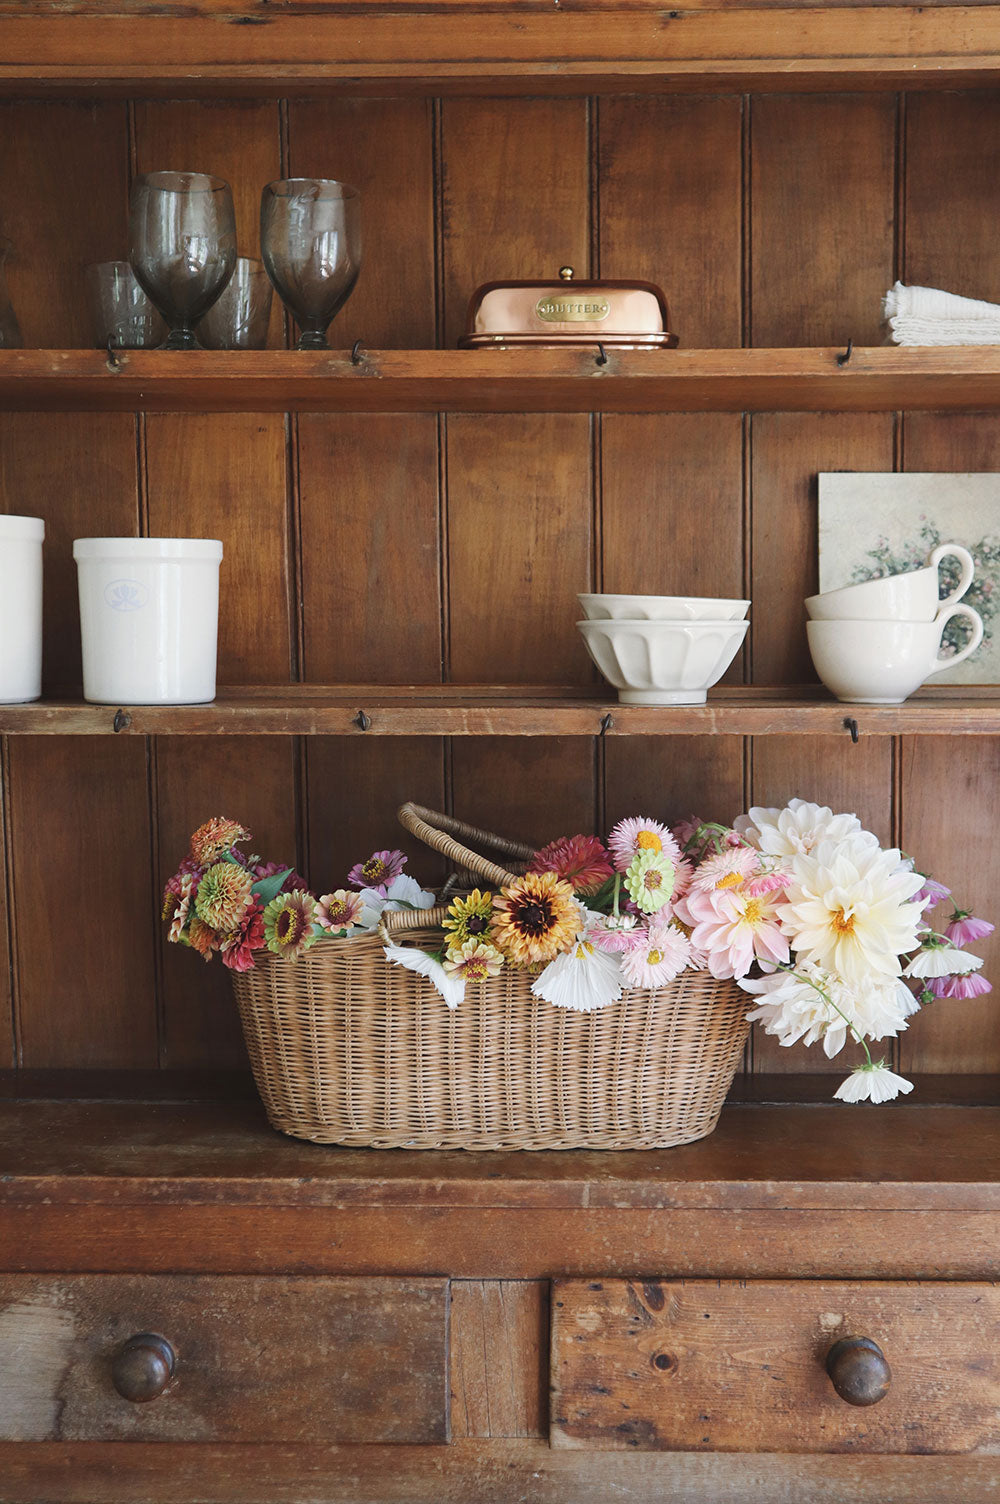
[182,246]
[310,240]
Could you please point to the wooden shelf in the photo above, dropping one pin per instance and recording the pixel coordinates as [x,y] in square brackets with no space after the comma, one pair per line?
[510,710]
[244,47]
[792,380]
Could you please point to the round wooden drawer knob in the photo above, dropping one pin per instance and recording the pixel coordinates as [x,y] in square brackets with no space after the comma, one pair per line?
[143,1368]
[858,1369]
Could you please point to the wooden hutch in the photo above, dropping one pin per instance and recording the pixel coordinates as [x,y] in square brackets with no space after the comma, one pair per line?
[358,1327]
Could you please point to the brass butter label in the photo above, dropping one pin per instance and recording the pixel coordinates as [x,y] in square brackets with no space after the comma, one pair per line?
[578,310]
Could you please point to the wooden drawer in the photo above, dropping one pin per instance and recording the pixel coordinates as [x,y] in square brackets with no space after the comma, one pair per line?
[254,1359]
[684,1365]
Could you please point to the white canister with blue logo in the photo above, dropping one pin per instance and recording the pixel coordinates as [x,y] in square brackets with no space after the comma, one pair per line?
[149,616]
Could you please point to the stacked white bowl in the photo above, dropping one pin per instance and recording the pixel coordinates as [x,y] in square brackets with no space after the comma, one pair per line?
[663,649]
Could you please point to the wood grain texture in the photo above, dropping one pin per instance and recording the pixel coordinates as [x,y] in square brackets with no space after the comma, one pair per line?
[673,779]
[247,780]
[370,538]
[499,1357]
[91,1000]
[952,158]
[64,192]
[788,452]
[79,474]
[531,791]
[502,1472]
[384,147]
[515,188]
[670,183]
[255,1360]
[236,140]
[822,206]
[8,1039]
[739,1367]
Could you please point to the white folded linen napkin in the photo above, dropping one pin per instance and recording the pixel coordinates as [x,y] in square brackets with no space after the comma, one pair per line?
[930,316]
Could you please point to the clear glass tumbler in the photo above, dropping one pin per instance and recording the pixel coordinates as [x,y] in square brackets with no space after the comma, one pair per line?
[310,239]
[239,318]
[182,246]
[120,312]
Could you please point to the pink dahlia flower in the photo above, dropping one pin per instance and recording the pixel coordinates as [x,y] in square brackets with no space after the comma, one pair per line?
[733,928]
[582,861]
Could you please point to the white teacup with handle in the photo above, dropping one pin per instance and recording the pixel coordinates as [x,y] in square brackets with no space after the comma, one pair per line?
[897,597]
[883,662]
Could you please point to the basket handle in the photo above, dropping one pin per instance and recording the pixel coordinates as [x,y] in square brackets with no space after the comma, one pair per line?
[433,829]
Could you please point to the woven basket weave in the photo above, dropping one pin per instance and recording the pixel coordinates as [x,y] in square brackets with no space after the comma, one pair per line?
[348,1049]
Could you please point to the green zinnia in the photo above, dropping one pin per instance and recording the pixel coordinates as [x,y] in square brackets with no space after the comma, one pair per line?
[223,896]
[649,880]
[288,923]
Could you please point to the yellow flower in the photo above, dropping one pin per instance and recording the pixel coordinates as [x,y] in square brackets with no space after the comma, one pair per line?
[468,918]
[475,961]
[535,918]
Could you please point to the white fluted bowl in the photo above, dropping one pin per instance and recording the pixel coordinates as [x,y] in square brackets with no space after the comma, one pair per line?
[663,662]
[662,608]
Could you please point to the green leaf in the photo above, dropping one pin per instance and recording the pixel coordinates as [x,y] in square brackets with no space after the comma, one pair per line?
[269,887]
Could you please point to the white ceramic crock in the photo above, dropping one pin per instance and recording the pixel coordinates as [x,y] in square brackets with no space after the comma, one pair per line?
[20,608]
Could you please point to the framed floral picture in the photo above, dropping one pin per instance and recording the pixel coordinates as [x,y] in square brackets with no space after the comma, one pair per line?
[873,524]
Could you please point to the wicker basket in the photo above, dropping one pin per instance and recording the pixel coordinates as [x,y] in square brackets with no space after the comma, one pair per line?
[348,1049]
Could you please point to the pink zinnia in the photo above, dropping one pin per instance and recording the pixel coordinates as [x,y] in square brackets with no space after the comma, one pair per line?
[637,834]
[582,861]
[378,871]
[238,954]
[175,885]
[965,927]
[340,910]
[732,929]
[970,985]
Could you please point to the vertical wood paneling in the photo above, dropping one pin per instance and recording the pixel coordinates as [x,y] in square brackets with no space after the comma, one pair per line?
[81,840]
[789,450]
[671,207]
[368,488]
[671,778]
[78,472]
[238,140]
[519,521]
[248,779]
[8,1042]
[499,1357]
[822,208]
[532,789]
[945,828]
[384,147]
[952,166]
[63,204]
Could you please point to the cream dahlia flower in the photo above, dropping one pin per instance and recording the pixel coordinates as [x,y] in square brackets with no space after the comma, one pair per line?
[797,829]
[810,1004]
[848,908]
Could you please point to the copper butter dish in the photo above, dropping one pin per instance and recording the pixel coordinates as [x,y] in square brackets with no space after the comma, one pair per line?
[620,315]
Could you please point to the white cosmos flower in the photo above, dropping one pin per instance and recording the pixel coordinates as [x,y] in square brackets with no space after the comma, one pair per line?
[404,892]
[797,829]
[452,989]
[942,961]
[874,1083]
[847,908]
[810,1004]
[582,978]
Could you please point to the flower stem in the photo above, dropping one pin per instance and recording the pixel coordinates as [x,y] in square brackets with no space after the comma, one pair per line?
[787,966]
[618,889]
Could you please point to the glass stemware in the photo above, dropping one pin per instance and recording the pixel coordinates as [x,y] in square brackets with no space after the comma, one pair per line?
[182,246]
[310,239]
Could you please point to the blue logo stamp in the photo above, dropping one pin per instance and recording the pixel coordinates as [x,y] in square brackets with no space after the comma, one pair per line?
[126,595]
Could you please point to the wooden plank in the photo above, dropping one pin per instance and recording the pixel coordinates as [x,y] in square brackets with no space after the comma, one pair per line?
[815,1156]
[238,141]
[670,179]
[952,156]
[824,165]
[374,565]
[515,196]
[501,710]
[503,1472]
[532,790]
[788,453]
[499,1357]
[63,187]
[91,1001]
[255,1360]
[8,1037]
[674,779]
[740,1366]
[568,380]
[250,782]
[385,148]
[762,46]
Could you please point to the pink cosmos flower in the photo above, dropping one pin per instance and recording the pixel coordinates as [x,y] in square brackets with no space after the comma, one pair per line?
[581,861]
[733,929]
[931,893]
[637,834]
[965,927]
[378,871]
[970,985]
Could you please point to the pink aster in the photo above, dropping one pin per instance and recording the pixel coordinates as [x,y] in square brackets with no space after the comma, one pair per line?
[637,834]
[582,861]
[965,927]
[732,928]
[727,869]
[617,935]
[971,985]
[662,956]
[378,871]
